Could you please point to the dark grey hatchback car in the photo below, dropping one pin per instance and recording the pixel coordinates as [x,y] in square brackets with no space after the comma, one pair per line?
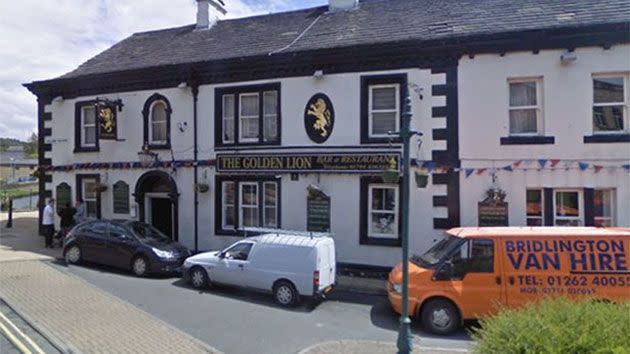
[125,244]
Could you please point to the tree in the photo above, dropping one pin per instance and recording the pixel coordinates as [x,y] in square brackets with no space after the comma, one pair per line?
[31,147]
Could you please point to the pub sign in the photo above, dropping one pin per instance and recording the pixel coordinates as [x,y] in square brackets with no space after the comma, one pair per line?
[106,114]
[319,118]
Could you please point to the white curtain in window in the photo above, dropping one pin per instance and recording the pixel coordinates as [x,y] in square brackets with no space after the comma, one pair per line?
[523,121]
[249,116]
[523,94]
[384,98]
[158,122]
[270,110]
[228,118]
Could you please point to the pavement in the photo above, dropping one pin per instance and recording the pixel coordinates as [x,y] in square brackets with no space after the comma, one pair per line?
[110,311]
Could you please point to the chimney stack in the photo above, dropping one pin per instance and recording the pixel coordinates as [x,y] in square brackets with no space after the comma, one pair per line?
[208,12]
[337,5]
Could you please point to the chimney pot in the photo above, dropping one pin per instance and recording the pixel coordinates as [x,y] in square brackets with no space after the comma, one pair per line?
[336,5]
[208,12]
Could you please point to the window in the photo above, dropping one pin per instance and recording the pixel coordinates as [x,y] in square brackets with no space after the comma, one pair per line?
[157,122]
[98,228]
[603,205]
[525,107]
[248,115]
[567,208]
[120,193]
[474,256]
[535,207]
[63,195]
[239,252]
[381,105]
[85,127]
[383,211]
[118,231]
[384,109]
[248,211]
[228,119]
[247,202]
[89,197]
[229,205]
[610,103]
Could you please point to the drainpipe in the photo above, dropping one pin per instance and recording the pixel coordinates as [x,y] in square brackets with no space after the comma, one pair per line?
[195,92]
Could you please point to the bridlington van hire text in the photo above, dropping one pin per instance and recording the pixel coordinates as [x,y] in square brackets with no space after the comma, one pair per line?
[474,271]
[289,264]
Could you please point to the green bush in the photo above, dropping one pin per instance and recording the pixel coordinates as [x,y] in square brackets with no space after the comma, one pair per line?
[557,326]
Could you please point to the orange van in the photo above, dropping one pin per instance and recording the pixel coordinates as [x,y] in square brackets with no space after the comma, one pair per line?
[473,271]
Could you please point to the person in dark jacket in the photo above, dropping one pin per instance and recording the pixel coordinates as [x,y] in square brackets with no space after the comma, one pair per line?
[67,220]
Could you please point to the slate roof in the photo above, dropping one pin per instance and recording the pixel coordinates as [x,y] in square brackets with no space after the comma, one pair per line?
[373,22]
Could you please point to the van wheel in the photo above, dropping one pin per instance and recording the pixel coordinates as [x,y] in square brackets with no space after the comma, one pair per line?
[198,277]
[440,316]
[285,294]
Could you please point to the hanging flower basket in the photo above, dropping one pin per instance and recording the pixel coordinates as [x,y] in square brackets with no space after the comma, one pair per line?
[100,187]
[422,178]
[391,174]
[202,187]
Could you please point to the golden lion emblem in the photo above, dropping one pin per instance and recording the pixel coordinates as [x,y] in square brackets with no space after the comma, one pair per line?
[322,116]
[107,119]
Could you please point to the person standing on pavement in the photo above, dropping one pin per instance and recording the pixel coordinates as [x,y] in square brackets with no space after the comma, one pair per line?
[48,221]
[67,220]
[79,215]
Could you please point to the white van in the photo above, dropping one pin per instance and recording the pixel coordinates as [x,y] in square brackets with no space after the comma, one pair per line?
[290,264]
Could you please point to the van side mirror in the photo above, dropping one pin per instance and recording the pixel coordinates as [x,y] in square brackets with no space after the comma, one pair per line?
[445,272]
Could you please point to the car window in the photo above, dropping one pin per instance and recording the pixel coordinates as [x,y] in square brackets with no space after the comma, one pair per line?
[98,228]
[117,231]
[239,251]
[83,228]
[474,256]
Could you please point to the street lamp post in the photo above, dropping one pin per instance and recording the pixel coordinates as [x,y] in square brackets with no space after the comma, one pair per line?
[405,342]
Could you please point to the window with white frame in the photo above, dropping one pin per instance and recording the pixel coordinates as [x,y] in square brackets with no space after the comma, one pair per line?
[228,119]
[383,211]
[383,109]
[228,200]
[525,106]
[88,126]
[568,207]
[604,207]
[248,204]
[270,204]
[158,129]
[610,97]
[248,117]
[270,115]
[535,205]
[89,197]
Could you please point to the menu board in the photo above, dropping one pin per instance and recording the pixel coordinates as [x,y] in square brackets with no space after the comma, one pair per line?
[493,214]
[318,212]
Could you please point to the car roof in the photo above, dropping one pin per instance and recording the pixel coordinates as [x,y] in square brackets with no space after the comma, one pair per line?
[287,239]
[512,231]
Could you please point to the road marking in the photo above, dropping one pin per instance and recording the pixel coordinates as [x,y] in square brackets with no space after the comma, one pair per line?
[442,349]
[20,346]
[18,331]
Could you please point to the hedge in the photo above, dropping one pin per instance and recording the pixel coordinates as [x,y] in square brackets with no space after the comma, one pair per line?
[557,326]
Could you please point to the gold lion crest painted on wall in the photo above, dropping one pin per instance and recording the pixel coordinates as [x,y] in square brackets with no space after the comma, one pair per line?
[319,117]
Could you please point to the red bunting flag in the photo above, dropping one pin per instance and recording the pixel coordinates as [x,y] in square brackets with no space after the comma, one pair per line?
[480,171]
[597,168]
[554,163]
[517,163]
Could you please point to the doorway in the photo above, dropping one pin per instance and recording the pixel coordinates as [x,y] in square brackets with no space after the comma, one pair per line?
[157,198]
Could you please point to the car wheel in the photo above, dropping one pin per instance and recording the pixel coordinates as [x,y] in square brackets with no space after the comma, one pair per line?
[73,255]
[140,266]
[198,277]
[440,316]
[285,294]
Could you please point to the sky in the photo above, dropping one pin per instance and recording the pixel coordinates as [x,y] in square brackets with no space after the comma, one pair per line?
[43,39]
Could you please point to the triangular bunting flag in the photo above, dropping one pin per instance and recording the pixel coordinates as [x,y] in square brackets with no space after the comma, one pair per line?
[598,168]
[542,163]
[507,168]
[468,171]
[480,171]
[554,162]
[583,165]
[517,163]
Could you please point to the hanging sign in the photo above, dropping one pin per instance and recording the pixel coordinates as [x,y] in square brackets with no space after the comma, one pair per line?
[107,121]
[324,162]
[319,118]
[493,213]
[317,212]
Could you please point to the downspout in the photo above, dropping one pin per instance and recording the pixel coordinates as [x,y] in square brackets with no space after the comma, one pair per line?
[195,92]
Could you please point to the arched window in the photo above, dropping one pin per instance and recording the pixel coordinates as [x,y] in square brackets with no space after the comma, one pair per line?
[121,197]
[157,122]
[64,195]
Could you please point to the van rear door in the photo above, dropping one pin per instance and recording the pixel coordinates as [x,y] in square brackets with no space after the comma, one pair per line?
[326,263]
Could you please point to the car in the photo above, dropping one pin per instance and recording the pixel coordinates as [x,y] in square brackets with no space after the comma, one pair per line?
[127,244]
[288,264]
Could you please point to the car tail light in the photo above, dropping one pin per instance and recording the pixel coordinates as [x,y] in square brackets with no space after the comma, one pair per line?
[316,278]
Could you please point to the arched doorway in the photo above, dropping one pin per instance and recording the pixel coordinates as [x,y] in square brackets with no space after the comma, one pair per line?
[156,195]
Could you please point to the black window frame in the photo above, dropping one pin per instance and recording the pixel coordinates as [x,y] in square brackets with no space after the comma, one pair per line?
[127,206]
[146,114]
[236,91]
[364,238]
[78,131]
[60,204]
[218,212]
[371,80]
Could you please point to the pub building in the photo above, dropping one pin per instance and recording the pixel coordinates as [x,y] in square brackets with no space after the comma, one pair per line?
[284,121]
